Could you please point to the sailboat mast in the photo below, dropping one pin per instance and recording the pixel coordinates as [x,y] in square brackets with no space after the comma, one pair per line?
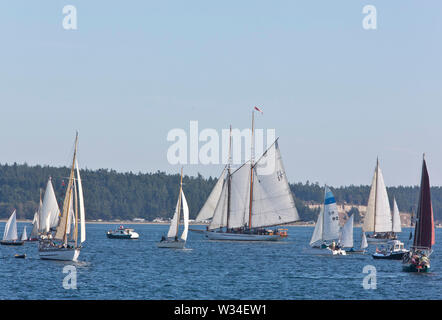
[69,191]
[179,204]
[376,194]
[418,227]
[228,178]
[251,169]
[323,214]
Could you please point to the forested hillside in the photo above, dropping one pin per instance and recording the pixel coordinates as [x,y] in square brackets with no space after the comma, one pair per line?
[112,195]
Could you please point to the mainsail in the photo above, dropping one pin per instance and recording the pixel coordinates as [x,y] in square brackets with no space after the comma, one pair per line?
[347,233]
[364,243]
[273,202]
[185,216]
[10,232]
[327,225]
[174,223]
[49,213]
[396,218]
[24,236]
[424,230]
[378,215]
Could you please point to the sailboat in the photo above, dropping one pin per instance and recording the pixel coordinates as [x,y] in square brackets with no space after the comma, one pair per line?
[24,236]
[392,249]
[418,259]
[10,236]
[327,228]
[378,218]
[64,244]
[172,240]
[252,199]
[346,238]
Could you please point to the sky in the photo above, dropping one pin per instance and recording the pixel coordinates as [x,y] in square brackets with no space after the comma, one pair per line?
[336,94]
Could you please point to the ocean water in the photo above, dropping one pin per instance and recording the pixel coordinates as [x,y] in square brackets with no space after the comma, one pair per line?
[137,269]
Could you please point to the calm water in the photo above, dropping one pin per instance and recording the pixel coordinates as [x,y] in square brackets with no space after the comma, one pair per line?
[137,269]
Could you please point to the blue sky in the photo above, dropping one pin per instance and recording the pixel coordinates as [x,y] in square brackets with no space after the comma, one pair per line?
[337,95]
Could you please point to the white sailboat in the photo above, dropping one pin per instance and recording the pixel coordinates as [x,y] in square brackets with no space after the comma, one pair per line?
[327,228]
[172,240]
[24,236]
[49,212]
[378,218]
[396,218]
[252,199]
[61,246]
[10,236]
[364,243]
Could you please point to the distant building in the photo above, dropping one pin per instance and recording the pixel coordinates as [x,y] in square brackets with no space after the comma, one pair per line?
[138,219]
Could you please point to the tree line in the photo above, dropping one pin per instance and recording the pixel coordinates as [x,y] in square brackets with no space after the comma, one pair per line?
[112,195]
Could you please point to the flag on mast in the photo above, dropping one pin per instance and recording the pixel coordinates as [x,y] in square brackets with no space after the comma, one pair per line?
[256,108]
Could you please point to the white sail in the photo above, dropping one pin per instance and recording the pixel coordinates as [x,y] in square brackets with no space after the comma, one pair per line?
[378,215]
[10,232]
[185,217]
[173,229]
[273,202]
[239,197]
[396,218]
[81,206]
[331,217]
[317,233]
[208,209]
[71,216]
[364,243]
[24,236]
[219,218]
[49,209]
[347,233]
[34,231]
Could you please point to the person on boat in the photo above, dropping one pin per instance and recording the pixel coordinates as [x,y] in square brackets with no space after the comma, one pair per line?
[163,238]
[176,238]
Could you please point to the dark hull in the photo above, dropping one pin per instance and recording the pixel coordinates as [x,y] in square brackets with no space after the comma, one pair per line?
[391,256]
[124,236]
[12,243]
[413,268]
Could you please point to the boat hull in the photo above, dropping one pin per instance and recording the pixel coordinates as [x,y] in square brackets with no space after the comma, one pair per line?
[11,243]
[327,251]
[60,254]
[413,268]
[122,236]
[241,236]
[390,255]
[172,244]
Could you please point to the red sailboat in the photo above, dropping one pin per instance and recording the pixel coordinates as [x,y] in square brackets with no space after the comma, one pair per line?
[418,259]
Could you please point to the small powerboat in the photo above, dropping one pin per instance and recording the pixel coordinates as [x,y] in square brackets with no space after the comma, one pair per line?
[122,233]
[20,256]
[392,250]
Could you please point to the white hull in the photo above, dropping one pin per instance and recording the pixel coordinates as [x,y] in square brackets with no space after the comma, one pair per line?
[171,244]
[328,252]
[241,236]
[59,254]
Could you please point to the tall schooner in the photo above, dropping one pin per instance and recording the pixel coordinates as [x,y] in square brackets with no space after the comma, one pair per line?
[246,202]
[64,243]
